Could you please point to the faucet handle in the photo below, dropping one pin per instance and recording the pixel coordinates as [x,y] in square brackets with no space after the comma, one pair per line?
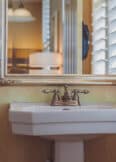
[85,91]
[49,91]
[55,92]
[81,91]
[76,92]
[56,96]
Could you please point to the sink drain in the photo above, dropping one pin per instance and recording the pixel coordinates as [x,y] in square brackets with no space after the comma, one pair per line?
[65,109]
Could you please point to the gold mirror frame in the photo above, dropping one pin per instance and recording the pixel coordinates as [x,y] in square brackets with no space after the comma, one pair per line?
[6,79]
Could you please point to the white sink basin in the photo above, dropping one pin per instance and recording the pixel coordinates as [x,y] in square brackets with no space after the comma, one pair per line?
[40,119]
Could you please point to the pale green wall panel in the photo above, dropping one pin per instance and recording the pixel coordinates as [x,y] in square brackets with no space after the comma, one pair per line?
[98,94]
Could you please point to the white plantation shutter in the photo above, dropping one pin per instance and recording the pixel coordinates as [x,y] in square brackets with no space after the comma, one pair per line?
[46,23]
[99,54]
[104,37]
[112,36]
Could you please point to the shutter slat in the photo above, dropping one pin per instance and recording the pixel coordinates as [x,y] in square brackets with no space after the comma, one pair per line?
[97,51]
[112,4]
[113,71]
[99,60]
[112,36]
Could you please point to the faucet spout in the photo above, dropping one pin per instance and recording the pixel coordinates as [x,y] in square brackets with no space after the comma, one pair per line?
[66,96]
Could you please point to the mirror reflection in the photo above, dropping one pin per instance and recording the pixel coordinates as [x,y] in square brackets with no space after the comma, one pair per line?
[33,37]
[61,37]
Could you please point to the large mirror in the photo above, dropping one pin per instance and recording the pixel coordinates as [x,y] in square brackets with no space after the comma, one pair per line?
[59,37]
[43,37]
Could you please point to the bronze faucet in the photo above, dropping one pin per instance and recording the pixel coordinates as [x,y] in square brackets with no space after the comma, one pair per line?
[56,96]
[76,95]
[69,98]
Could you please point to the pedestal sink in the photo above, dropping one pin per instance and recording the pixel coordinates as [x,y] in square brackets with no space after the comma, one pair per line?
[63,123]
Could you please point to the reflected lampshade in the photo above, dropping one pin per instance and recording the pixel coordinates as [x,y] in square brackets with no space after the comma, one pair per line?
[45,63]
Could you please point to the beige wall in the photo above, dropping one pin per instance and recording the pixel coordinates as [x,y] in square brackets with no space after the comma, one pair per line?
[34,149]
[19,148]
[101,150]
[27,35]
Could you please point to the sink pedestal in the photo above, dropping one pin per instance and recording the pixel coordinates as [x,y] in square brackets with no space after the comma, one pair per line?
[69,152]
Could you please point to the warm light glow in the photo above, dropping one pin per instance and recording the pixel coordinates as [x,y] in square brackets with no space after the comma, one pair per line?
[22,12]
[10,12]
[20,15]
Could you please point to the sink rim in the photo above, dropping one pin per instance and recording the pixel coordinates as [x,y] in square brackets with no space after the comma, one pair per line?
[51,114]
[86,121]
[42,107]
